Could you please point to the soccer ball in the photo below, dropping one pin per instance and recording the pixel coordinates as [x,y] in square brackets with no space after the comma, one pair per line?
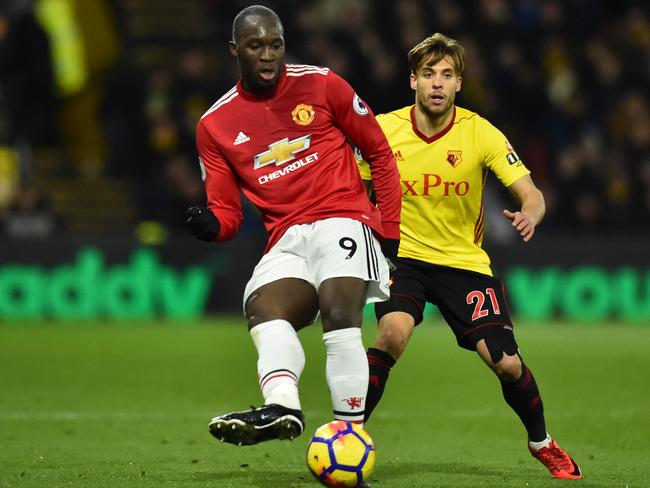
[341,454]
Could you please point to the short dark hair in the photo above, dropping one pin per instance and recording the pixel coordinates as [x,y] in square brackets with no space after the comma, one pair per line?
[437,46]
[253,10]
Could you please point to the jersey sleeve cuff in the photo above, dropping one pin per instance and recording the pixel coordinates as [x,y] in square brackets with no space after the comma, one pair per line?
[391,230]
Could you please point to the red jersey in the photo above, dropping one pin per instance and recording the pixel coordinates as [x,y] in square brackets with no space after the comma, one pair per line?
[290,153]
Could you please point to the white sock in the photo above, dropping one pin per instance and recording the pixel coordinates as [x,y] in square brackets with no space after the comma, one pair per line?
[536,446]
[347,373]
[281,360]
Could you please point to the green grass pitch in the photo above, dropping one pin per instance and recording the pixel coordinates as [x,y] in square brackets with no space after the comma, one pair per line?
[92,405]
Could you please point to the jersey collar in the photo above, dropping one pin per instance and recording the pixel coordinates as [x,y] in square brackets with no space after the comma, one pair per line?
[436,136]
[252,97]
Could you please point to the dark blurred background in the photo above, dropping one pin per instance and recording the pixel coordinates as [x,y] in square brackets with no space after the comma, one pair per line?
[99,100]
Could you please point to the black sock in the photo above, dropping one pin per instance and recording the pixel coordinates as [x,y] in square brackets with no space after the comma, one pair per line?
[524,398]
[379,363]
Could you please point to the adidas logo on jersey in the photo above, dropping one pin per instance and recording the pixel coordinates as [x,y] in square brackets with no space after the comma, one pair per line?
[398,156]
[241,138]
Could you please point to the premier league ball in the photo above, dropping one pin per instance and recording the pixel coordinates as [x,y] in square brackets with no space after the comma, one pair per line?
[341,454]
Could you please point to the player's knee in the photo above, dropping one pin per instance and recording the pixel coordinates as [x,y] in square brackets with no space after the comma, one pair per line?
[256,314]
[392,340]
[395,331]
[339,317]
[498,348]
[508,369]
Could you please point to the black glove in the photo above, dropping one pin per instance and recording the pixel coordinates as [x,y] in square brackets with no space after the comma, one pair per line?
[202,223]
[390,247]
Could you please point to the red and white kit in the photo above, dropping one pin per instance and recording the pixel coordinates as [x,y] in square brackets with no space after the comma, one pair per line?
[279,148]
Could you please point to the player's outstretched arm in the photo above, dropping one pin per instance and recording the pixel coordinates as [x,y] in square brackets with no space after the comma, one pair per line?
[532,210]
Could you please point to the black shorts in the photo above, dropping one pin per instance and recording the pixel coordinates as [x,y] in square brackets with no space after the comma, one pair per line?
[473,304]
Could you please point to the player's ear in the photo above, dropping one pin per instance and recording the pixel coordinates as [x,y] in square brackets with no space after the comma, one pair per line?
[414,81]
[233,48]
[459,83]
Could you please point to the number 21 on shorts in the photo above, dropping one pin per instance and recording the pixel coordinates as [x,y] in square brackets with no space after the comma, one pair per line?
[478,298]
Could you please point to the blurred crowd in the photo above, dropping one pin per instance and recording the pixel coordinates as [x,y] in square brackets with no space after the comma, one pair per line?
[566,80]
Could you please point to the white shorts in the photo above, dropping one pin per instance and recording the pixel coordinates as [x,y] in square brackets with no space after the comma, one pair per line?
[330,248]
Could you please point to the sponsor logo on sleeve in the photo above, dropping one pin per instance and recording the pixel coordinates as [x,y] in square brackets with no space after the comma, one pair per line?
[512,156]
[359,106]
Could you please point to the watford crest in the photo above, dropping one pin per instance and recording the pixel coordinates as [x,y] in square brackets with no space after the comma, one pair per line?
[454,157]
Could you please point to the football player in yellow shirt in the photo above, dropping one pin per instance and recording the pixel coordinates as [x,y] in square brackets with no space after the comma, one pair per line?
[444,153]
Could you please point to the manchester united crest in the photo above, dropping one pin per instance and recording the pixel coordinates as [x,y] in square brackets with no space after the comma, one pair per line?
[303,114]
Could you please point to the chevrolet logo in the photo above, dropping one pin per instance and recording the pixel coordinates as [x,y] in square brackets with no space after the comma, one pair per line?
[282,151]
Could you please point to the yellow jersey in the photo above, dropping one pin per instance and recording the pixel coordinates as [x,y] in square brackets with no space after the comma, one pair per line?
[443,177]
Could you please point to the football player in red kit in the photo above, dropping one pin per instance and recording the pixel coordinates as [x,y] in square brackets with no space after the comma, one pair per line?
[282,137]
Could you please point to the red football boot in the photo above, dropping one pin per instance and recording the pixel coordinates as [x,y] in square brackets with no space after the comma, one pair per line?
[557,461]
